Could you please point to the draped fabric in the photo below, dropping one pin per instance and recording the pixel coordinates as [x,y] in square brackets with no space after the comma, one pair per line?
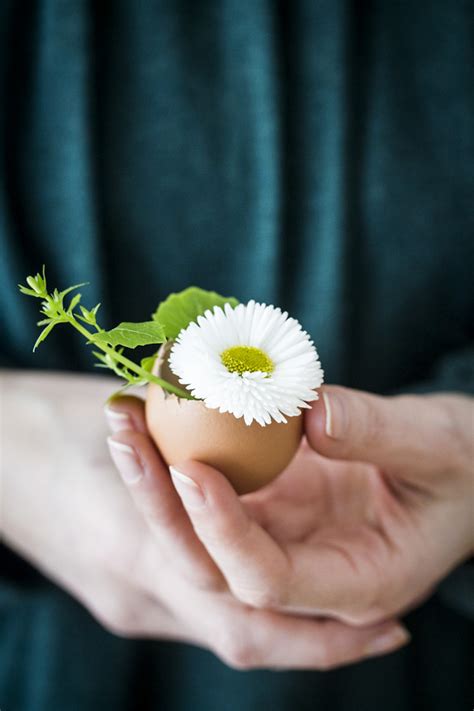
[314,155]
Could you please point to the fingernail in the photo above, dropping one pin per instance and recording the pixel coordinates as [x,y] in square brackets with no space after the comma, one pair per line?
[126,461]
[387,642]
[336,416]
[117,421]
[189,491]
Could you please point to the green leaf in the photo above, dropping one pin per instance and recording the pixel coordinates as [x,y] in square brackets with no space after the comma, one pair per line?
[179,310]
[88,316]
[125,335]
[62,294]
[74,302]
[107,361]
[29,292]
[35,283]
[45,332]
[101,356]
[132,335]
[148,363]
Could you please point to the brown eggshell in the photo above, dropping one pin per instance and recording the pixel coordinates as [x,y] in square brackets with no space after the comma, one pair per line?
[250,456]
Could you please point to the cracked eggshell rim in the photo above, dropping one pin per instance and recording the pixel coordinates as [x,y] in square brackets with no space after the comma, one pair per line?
[249,456]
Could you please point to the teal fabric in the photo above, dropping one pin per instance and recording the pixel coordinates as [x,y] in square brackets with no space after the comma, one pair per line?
[316,155]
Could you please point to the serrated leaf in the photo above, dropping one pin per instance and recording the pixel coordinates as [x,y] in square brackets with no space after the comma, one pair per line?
[132,335]
[178,310]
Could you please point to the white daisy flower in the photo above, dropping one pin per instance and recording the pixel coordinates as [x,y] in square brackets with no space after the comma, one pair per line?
[253,361]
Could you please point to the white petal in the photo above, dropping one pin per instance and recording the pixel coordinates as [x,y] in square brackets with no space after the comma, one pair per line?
[196,360]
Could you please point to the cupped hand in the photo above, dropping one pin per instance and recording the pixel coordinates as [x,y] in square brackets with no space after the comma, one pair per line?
[140,570]
[373,512]
[195,589]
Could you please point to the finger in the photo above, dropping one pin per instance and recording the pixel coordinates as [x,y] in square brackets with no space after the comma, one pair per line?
[149,484]
[316,578]
[266,639]
[407,434]
[125,412]
[255,567]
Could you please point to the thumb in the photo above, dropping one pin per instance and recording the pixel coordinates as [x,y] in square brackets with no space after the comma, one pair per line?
[406,434]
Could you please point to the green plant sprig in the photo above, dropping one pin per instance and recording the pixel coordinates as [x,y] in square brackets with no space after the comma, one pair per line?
[109,343]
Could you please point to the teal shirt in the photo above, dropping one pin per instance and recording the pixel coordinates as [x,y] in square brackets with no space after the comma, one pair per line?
[314,155]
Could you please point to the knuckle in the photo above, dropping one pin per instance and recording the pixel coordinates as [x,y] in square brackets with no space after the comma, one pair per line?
[263,599]
[239,656]
[236,650]
[117,618]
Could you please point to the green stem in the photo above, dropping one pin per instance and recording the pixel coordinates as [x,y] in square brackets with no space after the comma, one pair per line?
[129,363]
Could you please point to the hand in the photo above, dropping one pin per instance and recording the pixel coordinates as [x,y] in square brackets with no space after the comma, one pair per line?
[63,506]
[141,571]
[375,509]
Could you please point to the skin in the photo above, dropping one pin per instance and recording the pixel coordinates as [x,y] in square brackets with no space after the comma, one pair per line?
[374,512]
[125,545]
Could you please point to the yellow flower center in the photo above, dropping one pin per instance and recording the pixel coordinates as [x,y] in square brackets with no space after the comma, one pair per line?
[244,359]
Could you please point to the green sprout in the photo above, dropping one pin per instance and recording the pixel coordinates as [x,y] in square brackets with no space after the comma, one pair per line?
[171,316]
